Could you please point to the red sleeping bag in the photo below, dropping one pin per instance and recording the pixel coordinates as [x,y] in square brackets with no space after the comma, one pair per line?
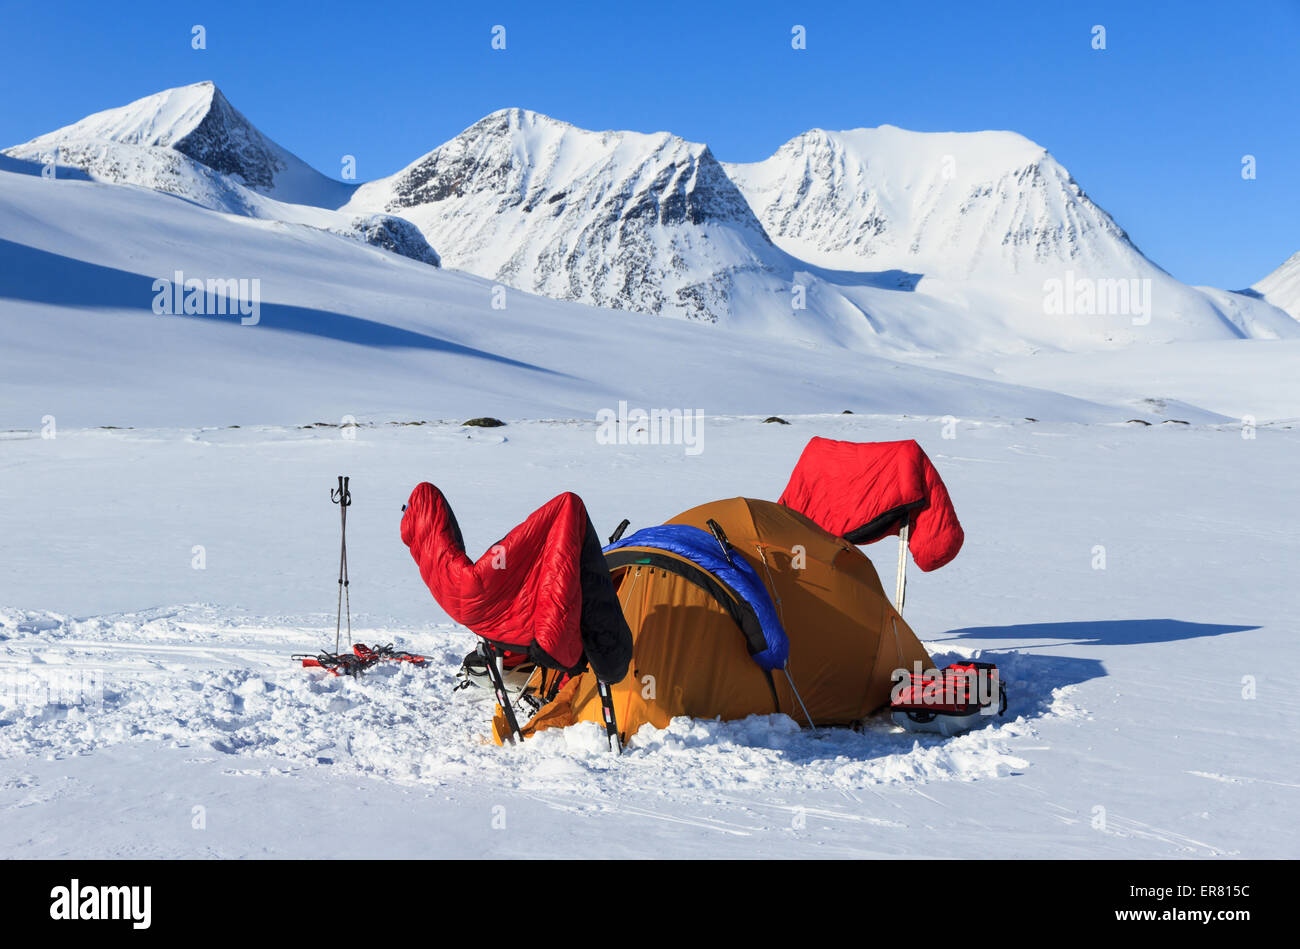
[542,590]
[863,491]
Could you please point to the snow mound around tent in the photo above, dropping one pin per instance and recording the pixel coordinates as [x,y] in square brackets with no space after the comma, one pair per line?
[217,683]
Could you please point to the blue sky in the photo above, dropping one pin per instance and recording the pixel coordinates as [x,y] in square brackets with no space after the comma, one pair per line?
[1154,127]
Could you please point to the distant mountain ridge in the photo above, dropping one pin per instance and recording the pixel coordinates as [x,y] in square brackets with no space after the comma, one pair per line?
[617,219]
[872,239]
[953,202]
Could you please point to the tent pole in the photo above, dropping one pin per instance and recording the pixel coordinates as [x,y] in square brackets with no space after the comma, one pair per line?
[799,699]
[900,590]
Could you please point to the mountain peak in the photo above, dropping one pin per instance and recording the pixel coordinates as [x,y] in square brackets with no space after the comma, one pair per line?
[528,124]
[980,154]
[199,122]
[933,202]
[516,117]
[620,219]
[161,119]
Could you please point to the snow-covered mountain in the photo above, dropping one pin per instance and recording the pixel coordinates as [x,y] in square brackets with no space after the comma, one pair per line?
[199,122]
[649,223]
[877,240]
[885,240]
[944,203]
[992,223]
[345,329]
[192,143]
[1282,287]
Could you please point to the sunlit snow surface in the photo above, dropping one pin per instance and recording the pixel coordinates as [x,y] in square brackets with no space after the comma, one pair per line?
[1126,683]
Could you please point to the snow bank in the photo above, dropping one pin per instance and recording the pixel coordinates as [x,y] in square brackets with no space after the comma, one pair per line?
[197,677]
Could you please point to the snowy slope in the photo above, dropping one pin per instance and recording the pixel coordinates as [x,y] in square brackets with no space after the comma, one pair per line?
[1249,316]
[984,221]
[1249,380]
[80,258]
[349,330]
[1282,287]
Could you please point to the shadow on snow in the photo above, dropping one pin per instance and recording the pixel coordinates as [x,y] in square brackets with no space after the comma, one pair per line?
[33,275]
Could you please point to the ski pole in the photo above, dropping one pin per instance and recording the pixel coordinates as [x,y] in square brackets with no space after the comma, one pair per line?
[489,653]
[343,498]
[607,707]
[900,587]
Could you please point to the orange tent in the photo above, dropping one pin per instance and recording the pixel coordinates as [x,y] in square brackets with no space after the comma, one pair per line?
[693,651]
